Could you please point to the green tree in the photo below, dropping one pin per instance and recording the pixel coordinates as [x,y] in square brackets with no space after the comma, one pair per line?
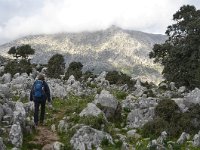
[180,54]
[75,70]
[13,67]
[25,50]
[21,51]
[55,66]
[12,51]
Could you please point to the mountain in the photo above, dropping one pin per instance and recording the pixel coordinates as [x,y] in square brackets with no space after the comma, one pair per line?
[113,48]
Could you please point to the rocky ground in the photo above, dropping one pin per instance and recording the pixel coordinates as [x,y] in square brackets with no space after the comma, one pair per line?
[90,115]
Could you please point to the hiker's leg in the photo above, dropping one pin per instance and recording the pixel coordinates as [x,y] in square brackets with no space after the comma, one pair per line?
[42,112]
[36,112]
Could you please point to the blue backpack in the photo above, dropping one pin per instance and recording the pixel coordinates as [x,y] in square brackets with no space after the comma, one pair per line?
[38,88]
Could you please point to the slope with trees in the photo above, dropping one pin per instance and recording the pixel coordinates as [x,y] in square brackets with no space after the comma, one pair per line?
[21,51]
[23,65]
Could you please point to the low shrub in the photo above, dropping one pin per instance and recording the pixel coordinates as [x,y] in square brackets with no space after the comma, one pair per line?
[75,70]
[88,74]
[120,95]
[119,78]
[92,121]
[166,109]
[170,119]
[13,67]
[154,128]
[190,120]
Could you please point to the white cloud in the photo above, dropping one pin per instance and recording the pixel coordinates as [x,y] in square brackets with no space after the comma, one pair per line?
[79,15]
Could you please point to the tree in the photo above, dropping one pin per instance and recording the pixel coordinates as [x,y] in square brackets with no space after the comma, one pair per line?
[21,51]
[55,66]
[25,50]
[13,67]
[12,51]
[75,70]
[180,54]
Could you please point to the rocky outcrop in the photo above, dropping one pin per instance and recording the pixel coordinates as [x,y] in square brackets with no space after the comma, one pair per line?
[142,110]
[196,140]
[91,110]
[63,126]
[19,113]
[2,146]
[138,117]
[192,98]
[16,136]
[184,137]
[108,104]
[86,137]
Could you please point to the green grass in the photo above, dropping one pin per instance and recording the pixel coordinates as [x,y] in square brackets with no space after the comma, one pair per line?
[120,95]
[26,141]
[70,107]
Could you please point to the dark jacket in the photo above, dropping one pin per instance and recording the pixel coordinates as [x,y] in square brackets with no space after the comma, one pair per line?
[45,96]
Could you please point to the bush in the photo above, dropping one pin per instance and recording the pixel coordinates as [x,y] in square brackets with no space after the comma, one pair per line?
[92,121]
[120,95]
[154,128]
[113,77]
[88,74]
[13,67]
[75,70]
[119,78]
[166,109]
[172,120]
[92,85]
[25,66]
[55,66]
[190,120]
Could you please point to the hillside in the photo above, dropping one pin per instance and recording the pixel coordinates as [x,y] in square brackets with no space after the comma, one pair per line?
[113,48]
[96,115]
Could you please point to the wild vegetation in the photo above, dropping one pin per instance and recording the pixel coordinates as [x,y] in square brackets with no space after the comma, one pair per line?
[55,66]
[129,96]
[180,53]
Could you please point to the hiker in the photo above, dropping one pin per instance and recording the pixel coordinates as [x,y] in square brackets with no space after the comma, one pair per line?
[39,94]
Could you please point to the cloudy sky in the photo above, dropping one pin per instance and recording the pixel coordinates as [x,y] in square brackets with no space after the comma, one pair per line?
[24,17]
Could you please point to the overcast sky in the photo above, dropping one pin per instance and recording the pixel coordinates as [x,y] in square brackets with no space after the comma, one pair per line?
[24,17]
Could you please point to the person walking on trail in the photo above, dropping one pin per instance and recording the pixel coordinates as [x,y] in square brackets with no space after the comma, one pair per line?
[40,92]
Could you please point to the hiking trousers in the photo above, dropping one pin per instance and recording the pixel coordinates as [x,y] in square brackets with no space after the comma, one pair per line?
[39,107]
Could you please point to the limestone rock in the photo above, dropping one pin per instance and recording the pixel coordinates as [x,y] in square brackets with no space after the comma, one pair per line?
[16,136]
[138,117]
[2,146]
[184,137]
[90,110]
[196,140]
[107,102]
[86,137]
[19,113]
[192,98]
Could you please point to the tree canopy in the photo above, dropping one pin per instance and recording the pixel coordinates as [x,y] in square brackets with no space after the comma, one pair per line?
[21,51]
[180,54]
[75,69]
[55,66]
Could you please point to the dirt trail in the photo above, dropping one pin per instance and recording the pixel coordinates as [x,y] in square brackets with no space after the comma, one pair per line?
[44,136]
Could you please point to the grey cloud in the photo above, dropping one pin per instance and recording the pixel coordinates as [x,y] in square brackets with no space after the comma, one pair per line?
[23,17]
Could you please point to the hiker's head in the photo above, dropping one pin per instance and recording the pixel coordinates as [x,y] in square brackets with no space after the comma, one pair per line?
[41,77]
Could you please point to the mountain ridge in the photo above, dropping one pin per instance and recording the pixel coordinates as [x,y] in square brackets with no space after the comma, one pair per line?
[111,49]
